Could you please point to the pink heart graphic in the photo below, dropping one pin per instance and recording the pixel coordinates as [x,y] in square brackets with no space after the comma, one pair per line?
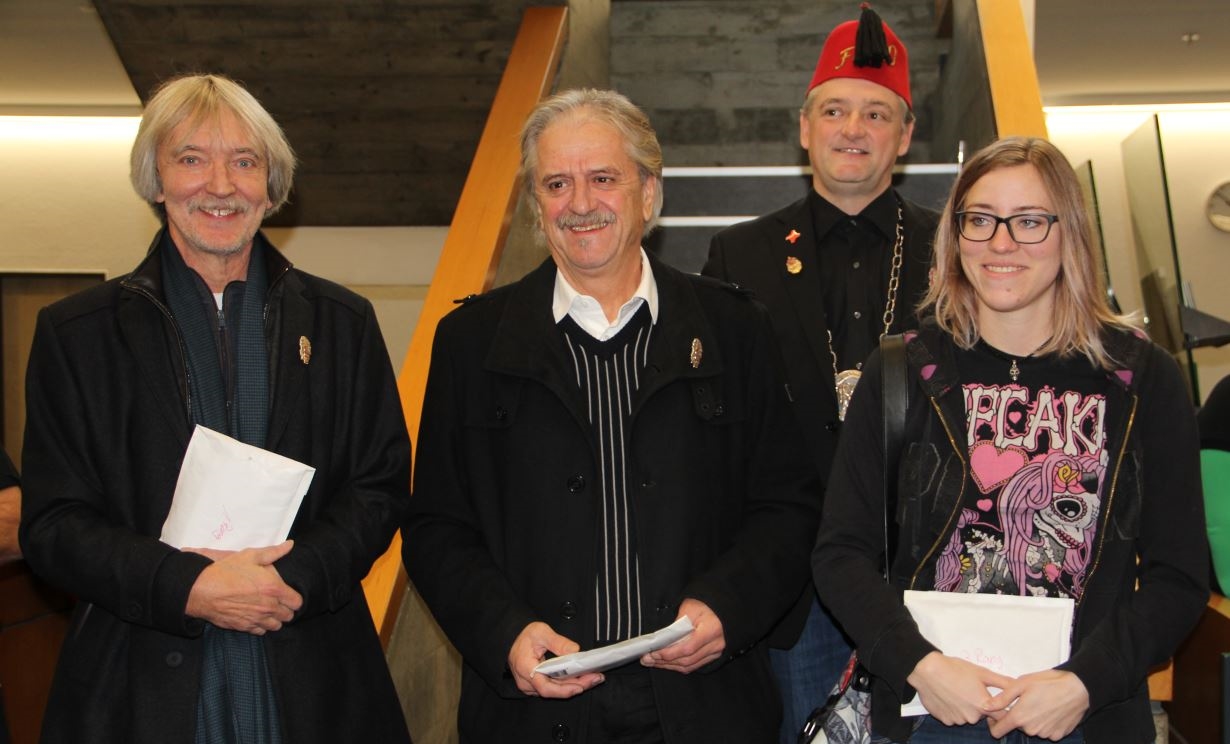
[1014,417]
[992,467]
[985,505]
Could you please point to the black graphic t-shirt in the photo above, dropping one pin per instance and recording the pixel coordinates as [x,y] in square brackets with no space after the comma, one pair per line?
[1037,466]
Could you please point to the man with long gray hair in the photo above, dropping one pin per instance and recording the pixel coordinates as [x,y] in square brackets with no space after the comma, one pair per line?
[214,328]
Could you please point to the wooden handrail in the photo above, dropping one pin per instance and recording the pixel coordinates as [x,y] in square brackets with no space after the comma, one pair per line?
[990,83]
[473,246]
[1015,95]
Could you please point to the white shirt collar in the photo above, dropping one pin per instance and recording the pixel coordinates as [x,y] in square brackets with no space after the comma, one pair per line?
[587,312]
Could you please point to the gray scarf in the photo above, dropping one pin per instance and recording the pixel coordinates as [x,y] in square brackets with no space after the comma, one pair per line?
[228,382]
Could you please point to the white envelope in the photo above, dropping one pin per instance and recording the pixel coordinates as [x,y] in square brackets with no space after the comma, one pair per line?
[617,654]
[1008,634]
[232,496]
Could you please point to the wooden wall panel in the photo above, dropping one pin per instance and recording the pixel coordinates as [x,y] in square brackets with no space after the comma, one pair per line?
[33,616]
[1195,711]
[33,620]
[21,297]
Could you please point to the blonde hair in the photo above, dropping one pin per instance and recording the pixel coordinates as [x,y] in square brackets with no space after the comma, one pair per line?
[640,141]
[195,98]
[1081,308]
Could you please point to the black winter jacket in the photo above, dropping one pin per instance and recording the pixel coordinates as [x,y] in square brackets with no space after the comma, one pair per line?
[107,427]
[507,506]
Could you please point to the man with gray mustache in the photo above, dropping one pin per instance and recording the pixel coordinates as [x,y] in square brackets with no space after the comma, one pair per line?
[606,447]
[214,328]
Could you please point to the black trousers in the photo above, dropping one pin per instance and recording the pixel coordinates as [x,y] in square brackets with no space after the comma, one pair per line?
[623,709]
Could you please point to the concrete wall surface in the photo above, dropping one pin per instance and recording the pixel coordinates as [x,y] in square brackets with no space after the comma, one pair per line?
[722,80]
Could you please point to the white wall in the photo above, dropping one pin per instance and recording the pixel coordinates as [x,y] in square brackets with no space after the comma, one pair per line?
[66,207]
[1197,154]
[65,201]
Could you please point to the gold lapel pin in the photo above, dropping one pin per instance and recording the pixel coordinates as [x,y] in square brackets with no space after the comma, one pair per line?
[695,355]
[793,265]
[305,349]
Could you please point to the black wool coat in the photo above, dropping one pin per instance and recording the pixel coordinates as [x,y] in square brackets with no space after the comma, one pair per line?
[506,513]
[107,427]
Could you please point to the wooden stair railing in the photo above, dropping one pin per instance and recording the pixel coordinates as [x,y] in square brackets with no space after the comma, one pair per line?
[990,83]
[1015,96]
[473,246]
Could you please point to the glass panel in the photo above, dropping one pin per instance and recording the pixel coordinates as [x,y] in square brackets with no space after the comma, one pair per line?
[1157,257]
[1084,174]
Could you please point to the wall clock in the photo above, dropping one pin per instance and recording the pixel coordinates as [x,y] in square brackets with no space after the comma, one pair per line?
[1218,207]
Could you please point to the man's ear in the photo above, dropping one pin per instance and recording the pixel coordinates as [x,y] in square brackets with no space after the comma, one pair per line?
[649,191]
[906,136]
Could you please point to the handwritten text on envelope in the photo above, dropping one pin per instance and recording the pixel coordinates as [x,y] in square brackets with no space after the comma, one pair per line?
[232,496]
[1007,634]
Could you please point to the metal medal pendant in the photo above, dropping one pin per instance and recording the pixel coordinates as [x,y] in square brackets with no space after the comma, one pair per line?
[846,380]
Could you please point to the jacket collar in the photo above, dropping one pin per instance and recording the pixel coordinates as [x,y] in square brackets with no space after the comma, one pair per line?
[289,318]
[148,274]
[528,343]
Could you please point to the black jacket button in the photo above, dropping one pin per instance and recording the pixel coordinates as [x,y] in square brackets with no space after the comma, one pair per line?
[568,610]
[174,659]
[576,483]
[560,732]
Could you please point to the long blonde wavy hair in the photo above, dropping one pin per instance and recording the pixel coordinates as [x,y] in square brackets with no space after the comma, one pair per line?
[1081,307]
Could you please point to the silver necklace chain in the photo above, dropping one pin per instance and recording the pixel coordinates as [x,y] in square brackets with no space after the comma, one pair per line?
[845,380]
[1014,371]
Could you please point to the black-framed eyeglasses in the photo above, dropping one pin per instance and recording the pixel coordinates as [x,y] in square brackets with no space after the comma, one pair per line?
[1023,228]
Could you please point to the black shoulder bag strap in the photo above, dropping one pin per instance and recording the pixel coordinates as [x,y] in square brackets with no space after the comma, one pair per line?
[895,379]
[855,682]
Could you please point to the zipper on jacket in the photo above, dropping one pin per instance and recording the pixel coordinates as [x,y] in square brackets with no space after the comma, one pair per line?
[179,339]
[948,525]
[268,293]
[225,363]
[1106,507]
[1108,501]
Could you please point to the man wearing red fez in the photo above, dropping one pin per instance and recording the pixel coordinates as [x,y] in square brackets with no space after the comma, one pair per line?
[837,269]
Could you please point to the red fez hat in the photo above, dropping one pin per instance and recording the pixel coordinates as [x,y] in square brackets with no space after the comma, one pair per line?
[866,49]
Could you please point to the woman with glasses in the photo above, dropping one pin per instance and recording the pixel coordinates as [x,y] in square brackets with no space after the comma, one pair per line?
[1050,453]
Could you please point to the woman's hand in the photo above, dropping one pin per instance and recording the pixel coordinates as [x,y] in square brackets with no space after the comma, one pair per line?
[953,690]
[1047,704]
